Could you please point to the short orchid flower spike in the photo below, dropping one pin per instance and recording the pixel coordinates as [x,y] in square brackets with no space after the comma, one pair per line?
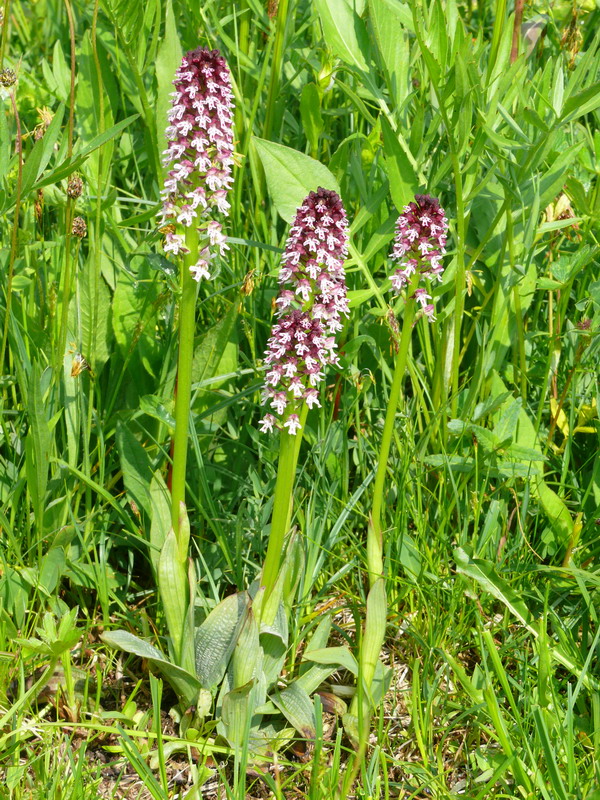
[312,299]
[419,245]
[199,157]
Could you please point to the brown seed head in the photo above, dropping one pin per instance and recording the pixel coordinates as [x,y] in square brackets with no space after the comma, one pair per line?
[74,186]
[79,228]
[8,78]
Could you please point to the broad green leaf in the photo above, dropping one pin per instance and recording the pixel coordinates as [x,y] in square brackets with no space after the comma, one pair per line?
[344,32]
[134,313]
[557,512]
[314,676]
[247,654]
[388,18]
[42,152]
[402,176]
[173,589]
[69,165]
[310,112]
[51,569]
[87,117]
[135,463]
[90,317]
[235,714]
[212,356]
[168,60]
[297,708]
[160,516]
[291,175]
[581,103]
[217,636]
[155,407]
[185,684]
[339,656]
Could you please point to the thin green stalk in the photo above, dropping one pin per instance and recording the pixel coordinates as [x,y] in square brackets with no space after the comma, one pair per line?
[289,450]
[375,537]
[90,346]
[518,309]
[4,39]
[67,275]
[459,281]
[187,322]
[282,14]
[15,228]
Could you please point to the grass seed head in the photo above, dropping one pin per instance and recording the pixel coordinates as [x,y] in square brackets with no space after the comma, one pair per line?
[79,228]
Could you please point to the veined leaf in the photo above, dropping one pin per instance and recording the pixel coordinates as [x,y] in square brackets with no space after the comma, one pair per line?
[217,636]
[291,176]
[186,685]
[344,32]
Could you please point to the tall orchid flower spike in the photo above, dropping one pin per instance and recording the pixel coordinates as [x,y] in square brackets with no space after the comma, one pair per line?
[199,156]
[312,297]
[199,159]
[419,245]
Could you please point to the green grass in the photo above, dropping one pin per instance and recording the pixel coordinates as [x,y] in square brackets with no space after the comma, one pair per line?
[492,495]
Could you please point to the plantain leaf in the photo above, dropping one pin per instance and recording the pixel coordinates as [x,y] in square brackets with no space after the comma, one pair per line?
[296,706]
[173,588]
[404,182]
[168,60]
[185,684]
[341,657]
[137,472]
[217,636]
[291,176]
[344,32]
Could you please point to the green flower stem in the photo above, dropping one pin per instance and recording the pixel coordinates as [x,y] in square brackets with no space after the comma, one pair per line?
[187,321]
[375,538]
[459,281]
[289,450]
[278,50]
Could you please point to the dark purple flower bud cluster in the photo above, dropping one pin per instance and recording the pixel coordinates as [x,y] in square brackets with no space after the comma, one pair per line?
[311,300]
[419,245]
[199,155]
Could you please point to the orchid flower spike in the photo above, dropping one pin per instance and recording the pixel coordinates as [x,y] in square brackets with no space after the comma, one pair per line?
[312,297]
[419,245]
[199,157]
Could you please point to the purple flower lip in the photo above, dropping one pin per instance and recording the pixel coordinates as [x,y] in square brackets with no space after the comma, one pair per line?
[199,156]
[312,298]
[419,245]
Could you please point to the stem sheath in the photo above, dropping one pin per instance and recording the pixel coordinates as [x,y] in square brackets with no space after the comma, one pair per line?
[187,321]
[289,450]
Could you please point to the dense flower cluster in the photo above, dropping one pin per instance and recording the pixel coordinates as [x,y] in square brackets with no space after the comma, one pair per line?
[419,245]
[311,300]
[199,155]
